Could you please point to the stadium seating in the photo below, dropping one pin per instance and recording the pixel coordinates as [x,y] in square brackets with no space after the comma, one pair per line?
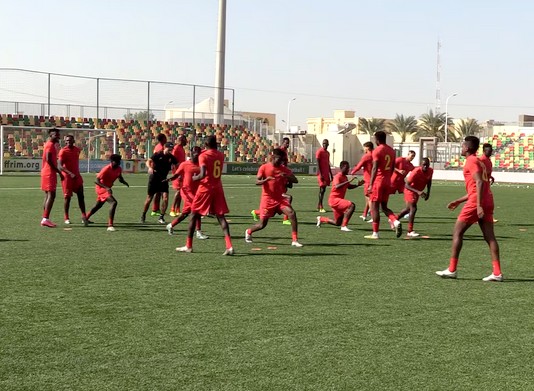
[512,152]
[133,138]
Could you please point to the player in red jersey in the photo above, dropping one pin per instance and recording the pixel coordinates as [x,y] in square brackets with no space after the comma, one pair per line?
[285,149]
[478,208]
[188,187]
[403,166]
[416,182]
[366,163]
[343,209]
[180,155]
[324,173]
[49,173]
[273,177]
[69,163]
[104,182]
[383,164]
[487,151]
[209,198]
[159,147]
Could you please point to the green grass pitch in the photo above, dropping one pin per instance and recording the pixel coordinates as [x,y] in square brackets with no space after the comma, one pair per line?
[86,309]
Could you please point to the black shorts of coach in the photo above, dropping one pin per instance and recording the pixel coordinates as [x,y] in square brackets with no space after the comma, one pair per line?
[156,184]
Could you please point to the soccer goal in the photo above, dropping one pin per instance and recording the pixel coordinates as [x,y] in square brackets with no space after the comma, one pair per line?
[22,147]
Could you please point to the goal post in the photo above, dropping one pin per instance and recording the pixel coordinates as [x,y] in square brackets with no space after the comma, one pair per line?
[21,147]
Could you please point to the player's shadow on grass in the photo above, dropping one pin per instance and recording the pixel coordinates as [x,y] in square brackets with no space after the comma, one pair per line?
[371,243]
[14,240]
[506,280]
[297,253]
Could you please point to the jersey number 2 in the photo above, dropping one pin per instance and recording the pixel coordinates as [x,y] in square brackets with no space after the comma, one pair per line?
[388,163]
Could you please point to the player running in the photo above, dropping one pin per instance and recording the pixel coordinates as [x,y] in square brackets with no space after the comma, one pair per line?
[104,182]
[403,166]
[159,166]
[343,208]
[273,178]
[185,172]
[365,163]
[69,163]
[324,173]
[416,182]
[49,173]
[180,155]
[209,198]
[379,184]
[478,208]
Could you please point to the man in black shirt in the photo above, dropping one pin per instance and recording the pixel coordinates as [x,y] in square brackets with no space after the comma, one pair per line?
[159,166]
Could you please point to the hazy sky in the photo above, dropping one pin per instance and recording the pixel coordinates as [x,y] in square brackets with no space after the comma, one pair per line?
[377,57]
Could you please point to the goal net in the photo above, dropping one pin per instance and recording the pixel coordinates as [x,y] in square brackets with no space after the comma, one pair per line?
[22,147]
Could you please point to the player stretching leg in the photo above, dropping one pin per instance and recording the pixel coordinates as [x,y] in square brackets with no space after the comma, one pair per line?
[273,178]
[209,198]
[343,209]
[49,174]
[383,163]
[69,162]
[185,172]
[478,208]
[104,182]
[416,182]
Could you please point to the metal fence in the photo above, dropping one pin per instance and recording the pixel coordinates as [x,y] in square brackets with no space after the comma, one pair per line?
[50,94]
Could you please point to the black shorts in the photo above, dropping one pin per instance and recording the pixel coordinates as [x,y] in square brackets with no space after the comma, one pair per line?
[157,185]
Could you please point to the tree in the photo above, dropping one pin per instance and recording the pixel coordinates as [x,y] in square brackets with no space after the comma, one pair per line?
[432,125]
[140,116]
[404,126]
[468,127]
[372,125]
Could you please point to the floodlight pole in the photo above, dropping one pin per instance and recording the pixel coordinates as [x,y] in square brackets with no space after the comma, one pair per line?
[288,124]
[447,114]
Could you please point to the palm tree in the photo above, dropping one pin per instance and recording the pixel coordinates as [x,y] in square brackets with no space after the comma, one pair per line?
[432,125]
[372,125]
[468,127]
[404,126]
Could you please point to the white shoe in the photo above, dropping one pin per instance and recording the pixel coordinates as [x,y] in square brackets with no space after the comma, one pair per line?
[446,273]
[369,221]
[345,229]
[373,236]
[67,222]
[184,249]
[493,277]
[397,226]
[318,221]
[111,229]
[229,251]
[406,217]
[363,218]
[248,237]
[201,236]
[412,234]
[170,229]
[161,220]
[296,244]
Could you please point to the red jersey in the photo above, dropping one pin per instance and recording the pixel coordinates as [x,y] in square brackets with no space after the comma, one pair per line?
[366,162]
[70,159]
[471,166]
[401,163]
[487,162]
[341,191]
[49,147]
[418,179]
[158,148]
[179,153]
[213,161]
[108,175]
[385,156]
[323,162]
[186,170]
[275,188]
